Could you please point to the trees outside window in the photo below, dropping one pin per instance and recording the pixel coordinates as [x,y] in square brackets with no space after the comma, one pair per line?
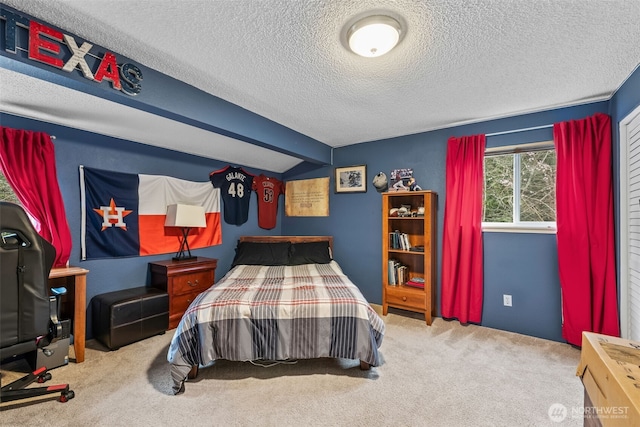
[6,192]
[519,188]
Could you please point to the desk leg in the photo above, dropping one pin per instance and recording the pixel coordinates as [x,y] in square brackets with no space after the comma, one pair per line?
[80,316]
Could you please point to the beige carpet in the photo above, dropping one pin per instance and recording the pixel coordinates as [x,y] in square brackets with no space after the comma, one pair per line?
[443,375]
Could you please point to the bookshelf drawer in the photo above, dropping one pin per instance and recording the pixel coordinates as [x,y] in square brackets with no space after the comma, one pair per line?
[402,297]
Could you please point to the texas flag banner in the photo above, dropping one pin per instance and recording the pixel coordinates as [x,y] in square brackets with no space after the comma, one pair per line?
[123,214]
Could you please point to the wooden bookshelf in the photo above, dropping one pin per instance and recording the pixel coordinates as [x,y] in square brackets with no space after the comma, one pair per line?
[419,231]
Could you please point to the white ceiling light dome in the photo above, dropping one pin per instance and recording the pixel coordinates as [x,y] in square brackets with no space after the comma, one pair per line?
[374,36]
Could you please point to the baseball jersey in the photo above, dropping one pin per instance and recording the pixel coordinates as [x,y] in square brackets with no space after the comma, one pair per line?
[268,190]
[235,189]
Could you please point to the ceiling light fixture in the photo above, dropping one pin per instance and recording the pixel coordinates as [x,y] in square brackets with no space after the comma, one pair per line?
[374,35]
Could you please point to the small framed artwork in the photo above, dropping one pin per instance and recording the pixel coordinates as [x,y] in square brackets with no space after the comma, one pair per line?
[351,179]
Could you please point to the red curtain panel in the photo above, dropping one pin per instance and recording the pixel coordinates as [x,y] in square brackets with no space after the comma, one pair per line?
[27,160]
[462,261]
[585,227]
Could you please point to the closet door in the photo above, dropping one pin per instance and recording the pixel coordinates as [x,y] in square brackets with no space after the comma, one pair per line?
[630,226]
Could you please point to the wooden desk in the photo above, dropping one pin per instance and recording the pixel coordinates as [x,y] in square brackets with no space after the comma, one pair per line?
[75,280]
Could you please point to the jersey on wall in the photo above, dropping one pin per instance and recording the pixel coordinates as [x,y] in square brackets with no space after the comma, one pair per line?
[235,189]
[268,190]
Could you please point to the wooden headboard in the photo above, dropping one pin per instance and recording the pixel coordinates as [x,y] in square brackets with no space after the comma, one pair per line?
[292,239]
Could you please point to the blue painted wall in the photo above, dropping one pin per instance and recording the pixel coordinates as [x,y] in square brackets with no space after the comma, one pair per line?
[626,99]
[522,265]
[74,148]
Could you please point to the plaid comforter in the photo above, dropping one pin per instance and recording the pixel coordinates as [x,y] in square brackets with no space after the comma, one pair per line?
[276,313]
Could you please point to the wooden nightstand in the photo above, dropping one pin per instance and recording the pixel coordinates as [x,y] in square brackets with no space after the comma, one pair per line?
[183,281]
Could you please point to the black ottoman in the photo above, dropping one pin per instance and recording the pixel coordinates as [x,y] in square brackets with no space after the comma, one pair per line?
[130,315]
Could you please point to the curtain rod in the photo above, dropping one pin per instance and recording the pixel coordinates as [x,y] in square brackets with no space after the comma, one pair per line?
[506,132]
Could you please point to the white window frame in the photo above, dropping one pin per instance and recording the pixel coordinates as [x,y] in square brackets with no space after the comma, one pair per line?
[517,226]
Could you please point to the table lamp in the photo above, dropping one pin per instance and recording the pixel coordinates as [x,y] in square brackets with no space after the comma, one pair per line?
[185,217]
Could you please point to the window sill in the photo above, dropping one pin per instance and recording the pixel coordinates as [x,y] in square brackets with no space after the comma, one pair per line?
[513,228]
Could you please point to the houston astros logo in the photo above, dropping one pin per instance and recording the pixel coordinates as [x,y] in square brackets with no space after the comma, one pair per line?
[112,216]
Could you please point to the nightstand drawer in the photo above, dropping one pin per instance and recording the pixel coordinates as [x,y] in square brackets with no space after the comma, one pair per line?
[179,303]
[194,282]
[402,298]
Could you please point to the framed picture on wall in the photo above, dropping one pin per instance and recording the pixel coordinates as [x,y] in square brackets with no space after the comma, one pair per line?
[351,179]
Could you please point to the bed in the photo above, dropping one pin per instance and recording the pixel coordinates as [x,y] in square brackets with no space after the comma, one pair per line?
[284,298]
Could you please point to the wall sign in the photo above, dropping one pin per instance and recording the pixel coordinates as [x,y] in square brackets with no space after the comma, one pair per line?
[307,197]
[52,47]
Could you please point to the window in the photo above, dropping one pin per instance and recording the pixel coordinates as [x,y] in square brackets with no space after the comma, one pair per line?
[519,188]
[6,192]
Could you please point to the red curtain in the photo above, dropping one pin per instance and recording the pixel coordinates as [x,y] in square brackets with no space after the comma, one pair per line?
[585,236]
[27,160]
[462,261]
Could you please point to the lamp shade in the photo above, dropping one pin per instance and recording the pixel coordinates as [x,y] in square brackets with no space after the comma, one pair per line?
[185,216]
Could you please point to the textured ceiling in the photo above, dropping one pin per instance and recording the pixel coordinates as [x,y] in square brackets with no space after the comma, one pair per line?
[459,61]
[87,112]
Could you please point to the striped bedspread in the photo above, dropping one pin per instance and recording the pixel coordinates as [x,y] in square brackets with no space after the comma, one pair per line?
[276,313]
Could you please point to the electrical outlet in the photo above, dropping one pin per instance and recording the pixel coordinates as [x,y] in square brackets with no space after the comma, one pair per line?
[506,300]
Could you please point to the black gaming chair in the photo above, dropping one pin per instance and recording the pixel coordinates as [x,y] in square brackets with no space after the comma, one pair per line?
[28,315]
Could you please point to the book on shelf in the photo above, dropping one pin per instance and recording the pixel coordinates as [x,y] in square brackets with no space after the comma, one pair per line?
[405,241]
[392,275]
[402,273]
[398,240]
[398,274]
[416,282]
